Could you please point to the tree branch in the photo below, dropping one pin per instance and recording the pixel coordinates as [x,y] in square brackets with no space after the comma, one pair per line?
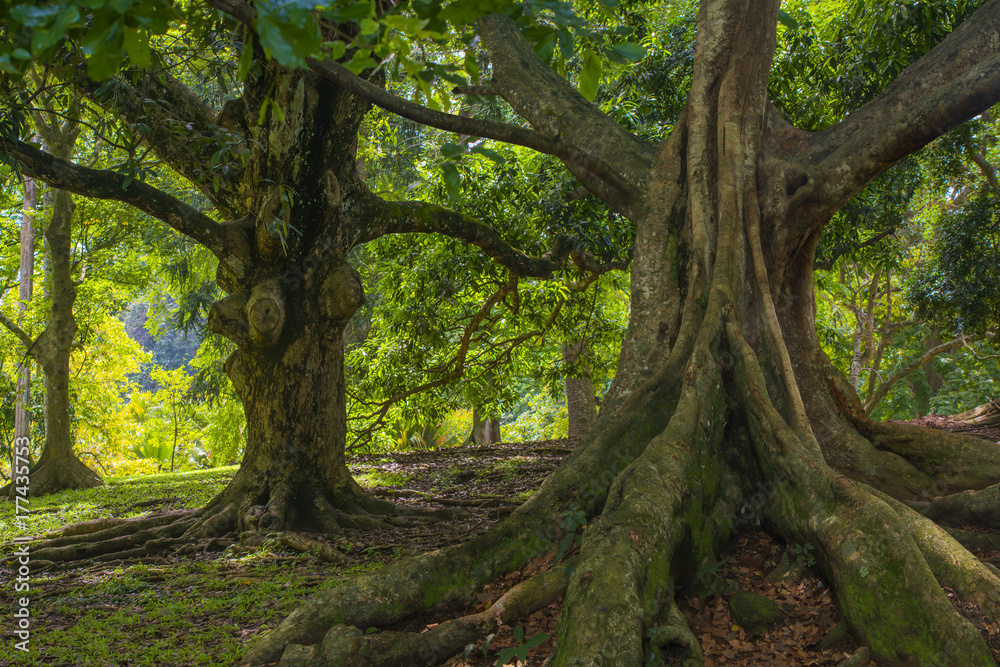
[20,333]
[386,217]
[555,108]
[176,123]
[956,80]
[102,184]
[988,171]
[11,326]
[913,366]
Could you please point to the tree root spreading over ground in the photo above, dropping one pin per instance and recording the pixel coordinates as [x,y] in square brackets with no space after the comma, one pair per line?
[809,634]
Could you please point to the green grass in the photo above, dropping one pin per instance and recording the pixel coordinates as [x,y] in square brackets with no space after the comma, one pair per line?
[192,612]
[191,490]
[372,477]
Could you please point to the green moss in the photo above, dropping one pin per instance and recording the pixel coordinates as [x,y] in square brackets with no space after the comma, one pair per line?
[754,612]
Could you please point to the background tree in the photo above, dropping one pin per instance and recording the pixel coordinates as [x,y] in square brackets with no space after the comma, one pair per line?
[58,466]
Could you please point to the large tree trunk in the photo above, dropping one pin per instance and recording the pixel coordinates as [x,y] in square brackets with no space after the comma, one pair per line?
[725,412]
[291,295]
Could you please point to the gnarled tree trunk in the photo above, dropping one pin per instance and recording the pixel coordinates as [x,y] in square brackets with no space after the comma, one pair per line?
[725,411]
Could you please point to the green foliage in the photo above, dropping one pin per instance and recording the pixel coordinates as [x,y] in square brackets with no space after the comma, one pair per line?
[519,652]
[833,57]
[428,436]
[969,381]
[538,416]
[959,289]
[802,554]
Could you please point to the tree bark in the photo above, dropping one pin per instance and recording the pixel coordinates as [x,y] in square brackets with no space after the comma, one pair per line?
[581,401]
[22,406]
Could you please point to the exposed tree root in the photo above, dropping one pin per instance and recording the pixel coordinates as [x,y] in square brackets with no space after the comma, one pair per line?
[885,584]
[314,547]
[346,646]
[677,484]
[976,508]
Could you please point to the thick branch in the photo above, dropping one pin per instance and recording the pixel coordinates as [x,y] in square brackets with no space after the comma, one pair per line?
[177,123]
[555,108]
[102,184]
[956,80]
[387,217]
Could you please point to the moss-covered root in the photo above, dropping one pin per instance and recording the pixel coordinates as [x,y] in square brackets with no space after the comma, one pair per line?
[622,587]
[346,646]
[977,508]
[122,535]
[952,564]
[449,577]
[954,461]
[886,587]
[672,640]
[305,544]
[887,591]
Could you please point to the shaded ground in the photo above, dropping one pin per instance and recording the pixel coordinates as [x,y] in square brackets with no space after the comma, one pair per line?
[206,608]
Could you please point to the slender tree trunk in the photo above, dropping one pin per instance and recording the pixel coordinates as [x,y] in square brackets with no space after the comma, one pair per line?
[58,467]
[581,401]
[22,406]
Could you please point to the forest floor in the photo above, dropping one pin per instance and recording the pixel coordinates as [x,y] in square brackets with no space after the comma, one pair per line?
[206,609]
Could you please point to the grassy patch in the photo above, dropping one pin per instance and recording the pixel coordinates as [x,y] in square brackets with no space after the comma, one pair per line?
[189,612]
[117,498]
[373,477]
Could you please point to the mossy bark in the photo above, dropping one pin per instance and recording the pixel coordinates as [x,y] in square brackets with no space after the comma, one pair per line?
[725,412]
